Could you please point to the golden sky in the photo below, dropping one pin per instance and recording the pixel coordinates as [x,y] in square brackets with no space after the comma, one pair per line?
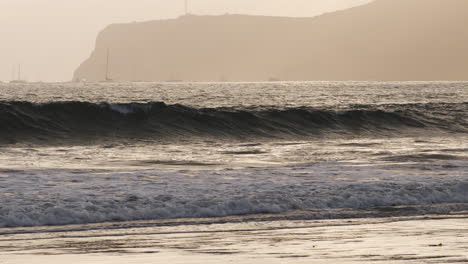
[50,38]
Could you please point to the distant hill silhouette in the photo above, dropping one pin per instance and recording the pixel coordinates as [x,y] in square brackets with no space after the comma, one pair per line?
[383,40]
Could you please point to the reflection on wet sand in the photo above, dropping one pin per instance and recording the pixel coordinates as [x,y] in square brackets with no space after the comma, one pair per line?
[430,239]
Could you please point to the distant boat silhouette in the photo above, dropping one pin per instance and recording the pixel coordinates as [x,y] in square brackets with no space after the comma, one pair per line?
[107,78]
[274,79]
[174,78]
[18,80]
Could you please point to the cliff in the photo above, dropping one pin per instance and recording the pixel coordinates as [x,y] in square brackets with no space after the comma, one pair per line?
[383,40]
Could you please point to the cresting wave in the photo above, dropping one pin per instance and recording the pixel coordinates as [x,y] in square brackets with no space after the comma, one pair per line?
[68,121]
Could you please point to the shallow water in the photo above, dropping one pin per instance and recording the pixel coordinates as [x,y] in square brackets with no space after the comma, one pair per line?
[429,239]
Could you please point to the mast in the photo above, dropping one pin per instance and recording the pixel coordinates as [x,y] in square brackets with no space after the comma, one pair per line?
[186,7]
[19,72]
[107,65]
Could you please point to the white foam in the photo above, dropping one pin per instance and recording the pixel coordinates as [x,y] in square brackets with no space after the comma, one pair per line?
[122,108]
[46,197]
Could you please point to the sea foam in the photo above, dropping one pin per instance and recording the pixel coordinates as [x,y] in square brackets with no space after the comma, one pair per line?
[63,197]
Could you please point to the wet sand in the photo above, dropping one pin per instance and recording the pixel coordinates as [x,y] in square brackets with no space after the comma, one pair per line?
[428,239]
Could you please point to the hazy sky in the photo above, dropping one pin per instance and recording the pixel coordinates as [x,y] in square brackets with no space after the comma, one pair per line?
[50,38]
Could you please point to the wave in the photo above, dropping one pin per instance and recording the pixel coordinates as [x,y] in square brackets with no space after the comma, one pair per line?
[100,201]
[81,121]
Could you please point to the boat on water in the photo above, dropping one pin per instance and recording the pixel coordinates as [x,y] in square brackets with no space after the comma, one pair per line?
[107,78]
[18,80]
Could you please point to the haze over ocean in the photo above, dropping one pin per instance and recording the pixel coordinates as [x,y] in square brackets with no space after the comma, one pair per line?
[212,137]
[63,32]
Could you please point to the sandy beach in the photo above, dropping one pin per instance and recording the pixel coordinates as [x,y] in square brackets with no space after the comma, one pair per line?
[423,239]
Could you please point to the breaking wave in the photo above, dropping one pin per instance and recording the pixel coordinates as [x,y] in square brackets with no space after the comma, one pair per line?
[73,121]
[91,198]
[252,196]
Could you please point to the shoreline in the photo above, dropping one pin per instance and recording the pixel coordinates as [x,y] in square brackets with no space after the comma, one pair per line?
[377,214]
[420,239]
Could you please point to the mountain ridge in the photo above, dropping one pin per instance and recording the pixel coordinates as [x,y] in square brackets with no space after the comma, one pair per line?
[385,40]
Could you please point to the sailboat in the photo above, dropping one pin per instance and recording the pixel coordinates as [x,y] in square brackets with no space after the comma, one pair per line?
[107,78]
[18,80]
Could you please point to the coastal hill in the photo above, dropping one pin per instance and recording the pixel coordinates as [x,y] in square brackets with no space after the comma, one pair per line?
[382,40]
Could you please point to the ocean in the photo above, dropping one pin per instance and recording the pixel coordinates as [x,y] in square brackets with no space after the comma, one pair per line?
[74,155]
